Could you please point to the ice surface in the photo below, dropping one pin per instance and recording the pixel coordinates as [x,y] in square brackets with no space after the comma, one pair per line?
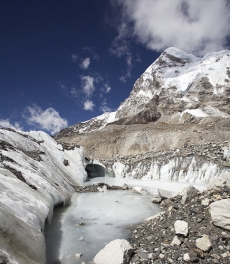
[95,219]
[149,185]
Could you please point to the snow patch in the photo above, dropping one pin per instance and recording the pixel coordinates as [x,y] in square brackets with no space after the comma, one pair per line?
[195,112]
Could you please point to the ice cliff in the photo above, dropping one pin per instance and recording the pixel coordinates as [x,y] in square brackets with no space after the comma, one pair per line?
[36,174]
[191,164]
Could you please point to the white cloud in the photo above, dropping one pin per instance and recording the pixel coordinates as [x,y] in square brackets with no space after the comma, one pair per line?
[74,57]
[88,105]
[104,107]
[192,25]
[87,85]
[107,88]
[85,64]
[6,123]
[48,119]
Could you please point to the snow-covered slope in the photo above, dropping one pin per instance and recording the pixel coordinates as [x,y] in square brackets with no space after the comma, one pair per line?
[36,174]
[177,74]
[93,124]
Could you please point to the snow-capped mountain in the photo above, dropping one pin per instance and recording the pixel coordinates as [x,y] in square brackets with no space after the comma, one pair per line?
[176,83]
[182,77]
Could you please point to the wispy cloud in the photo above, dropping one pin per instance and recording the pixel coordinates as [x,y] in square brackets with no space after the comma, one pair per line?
[63,89]
[121,47]
[107,88]
[85,64]
[74,92]
[104,107]
[6,123]
[48,119]
[74,57]
[89,105]
[87,85]
[194,26]
[129,67]
[92,53]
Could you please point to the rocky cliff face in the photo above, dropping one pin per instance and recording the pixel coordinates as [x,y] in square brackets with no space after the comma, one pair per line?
[180,100]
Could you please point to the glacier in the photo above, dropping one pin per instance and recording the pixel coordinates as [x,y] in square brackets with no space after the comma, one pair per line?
[33,179]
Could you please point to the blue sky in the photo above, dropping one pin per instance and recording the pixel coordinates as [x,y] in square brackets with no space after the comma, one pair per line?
[65,61]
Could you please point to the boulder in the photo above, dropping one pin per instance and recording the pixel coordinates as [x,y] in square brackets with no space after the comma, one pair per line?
[139,190]
[118,251]
[159,215]
[176,241]
[165,194]
[103,189]
[156,200]
[220,213]
[188,193]
[205,202]
[193,256]
[223,180]
[186,257]
[66,162]
[204,243]
[181,227]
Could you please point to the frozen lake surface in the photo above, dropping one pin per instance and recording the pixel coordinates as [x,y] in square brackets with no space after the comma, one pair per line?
[95,219]
[149,185]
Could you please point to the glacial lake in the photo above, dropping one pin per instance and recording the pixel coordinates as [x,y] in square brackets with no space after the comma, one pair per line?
[92,221]
[95,219]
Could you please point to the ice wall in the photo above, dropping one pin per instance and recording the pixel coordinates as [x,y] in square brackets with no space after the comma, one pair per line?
[36,174]
[179,169]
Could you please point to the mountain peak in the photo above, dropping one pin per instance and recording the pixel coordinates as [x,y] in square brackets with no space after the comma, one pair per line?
[175,51]
[176,83]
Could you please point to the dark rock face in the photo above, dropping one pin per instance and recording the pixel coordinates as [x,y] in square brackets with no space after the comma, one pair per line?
[94,188]
[145,117]
[66,162]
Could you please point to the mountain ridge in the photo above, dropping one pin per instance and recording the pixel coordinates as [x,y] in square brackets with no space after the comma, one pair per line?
[176,95]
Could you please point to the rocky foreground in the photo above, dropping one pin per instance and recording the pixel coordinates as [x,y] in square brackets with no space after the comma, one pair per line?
[193,228]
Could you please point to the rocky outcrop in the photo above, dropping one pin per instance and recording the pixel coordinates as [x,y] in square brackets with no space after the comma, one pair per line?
[184,233]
